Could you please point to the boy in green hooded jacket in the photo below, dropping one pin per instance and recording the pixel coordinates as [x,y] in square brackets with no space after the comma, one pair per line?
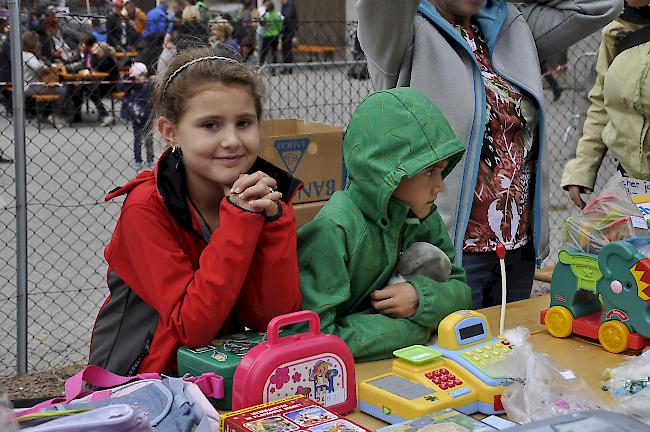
[398,148]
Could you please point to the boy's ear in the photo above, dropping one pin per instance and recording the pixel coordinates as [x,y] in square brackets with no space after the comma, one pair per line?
[167,130]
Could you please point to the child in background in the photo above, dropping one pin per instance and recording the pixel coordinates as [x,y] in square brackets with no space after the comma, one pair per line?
[398,149]
[206,242]
[137,108]
[222,35]
[271,22]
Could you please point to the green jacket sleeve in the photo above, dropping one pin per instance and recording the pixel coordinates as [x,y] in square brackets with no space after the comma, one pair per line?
[583,170]
[439,299]
[323,258]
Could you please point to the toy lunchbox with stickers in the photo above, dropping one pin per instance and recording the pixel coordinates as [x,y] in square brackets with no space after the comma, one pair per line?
[316,365]
[222,357]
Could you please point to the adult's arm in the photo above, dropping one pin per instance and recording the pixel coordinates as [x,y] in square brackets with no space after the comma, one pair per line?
[385,32]
[558,24]
[583,169]
[193,302]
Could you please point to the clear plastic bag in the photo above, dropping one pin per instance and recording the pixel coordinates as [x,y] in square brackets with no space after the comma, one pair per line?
[629,384]
[7,418]
[539,389]
[608,217]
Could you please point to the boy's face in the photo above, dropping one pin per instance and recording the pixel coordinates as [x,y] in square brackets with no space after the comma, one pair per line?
[420,191]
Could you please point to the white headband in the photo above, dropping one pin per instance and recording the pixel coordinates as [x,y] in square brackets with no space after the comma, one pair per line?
[190,63]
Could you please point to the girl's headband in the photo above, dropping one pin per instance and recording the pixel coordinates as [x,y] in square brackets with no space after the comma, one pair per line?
[190,63]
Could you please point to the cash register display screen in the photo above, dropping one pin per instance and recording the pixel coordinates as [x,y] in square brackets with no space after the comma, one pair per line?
[402,387]
[471,331]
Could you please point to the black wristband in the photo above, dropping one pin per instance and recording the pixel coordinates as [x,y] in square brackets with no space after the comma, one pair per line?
[277,216]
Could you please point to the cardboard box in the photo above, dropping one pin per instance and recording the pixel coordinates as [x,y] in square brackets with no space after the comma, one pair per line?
[295,413]
[312,152]
[306,212]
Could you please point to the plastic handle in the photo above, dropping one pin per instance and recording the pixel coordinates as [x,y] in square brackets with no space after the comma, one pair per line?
[278,322]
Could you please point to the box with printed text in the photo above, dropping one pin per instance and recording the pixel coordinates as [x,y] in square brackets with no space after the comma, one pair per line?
[305,212]
[296,413]
[312,152]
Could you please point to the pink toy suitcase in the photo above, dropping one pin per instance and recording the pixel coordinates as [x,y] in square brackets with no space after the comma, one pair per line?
[319,366]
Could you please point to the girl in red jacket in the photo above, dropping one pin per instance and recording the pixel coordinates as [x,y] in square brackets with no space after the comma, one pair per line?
[206,242]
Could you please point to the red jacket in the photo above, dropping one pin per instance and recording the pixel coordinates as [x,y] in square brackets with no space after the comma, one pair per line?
[169,287]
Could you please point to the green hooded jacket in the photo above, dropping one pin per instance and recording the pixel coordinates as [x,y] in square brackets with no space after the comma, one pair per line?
[352,246]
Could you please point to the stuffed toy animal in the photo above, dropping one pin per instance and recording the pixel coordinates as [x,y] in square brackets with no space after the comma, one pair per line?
[424,259]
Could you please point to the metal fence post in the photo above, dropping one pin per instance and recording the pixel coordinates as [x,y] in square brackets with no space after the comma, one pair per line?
[21,188]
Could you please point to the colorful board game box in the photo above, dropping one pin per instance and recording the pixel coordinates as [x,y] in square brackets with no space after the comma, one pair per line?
[447,420]
[291,414]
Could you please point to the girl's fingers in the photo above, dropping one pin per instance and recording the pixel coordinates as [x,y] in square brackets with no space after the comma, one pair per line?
[246,181]
[266,200]
[268,206]
[257,191]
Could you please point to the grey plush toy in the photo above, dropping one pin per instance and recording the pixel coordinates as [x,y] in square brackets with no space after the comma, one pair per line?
[424,259]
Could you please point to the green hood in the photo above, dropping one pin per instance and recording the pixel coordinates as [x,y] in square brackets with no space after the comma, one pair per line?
[393,134]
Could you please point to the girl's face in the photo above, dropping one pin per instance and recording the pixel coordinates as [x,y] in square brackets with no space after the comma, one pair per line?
[218,134]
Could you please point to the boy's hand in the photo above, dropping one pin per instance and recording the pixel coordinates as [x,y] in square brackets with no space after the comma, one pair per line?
[398,301]
[256,192]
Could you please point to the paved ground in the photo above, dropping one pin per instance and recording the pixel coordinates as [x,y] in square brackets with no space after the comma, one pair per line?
[70,170]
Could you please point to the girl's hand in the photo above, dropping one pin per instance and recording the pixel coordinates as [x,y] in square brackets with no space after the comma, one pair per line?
[398,301]
[256,192]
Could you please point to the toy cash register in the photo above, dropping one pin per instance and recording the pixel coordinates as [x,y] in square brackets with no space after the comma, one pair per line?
[450,374]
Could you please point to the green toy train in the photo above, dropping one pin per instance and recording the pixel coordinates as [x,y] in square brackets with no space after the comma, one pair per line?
[604,296]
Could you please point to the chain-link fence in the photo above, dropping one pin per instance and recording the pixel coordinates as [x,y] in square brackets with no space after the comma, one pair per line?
[78,148]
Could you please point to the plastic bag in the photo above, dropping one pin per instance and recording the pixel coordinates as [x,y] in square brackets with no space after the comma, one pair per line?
[629,384]
[539,389]
[608,217]
[7,418]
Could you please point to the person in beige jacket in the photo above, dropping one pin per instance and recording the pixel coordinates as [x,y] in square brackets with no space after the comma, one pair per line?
[618,119]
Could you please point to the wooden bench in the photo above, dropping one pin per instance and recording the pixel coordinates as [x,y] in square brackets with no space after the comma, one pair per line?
[315,51]
[127,54]
[43,99]
[115,97]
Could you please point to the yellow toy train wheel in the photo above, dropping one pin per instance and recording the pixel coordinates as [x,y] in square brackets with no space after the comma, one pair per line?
[559,321]
[614,336]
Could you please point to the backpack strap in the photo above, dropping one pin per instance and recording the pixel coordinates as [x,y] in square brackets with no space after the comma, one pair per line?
[209,383]
[629,40]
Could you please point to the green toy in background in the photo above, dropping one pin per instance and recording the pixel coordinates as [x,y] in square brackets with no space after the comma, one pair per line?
[604,296]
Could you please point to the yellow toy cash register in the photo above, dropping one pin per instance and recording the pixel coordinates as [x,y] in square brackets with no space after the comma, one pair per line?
[450,374]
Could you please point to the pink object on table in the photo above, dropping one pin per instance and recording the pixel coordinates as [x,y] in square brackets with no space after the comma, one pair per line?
[285,366]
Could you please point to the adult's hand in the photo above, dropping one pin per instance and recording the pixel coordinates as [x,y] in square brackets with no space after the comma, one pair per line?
[574,194]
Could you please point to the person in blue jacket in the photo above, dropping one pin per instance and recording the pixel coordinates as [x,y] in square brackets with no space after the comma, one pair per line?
[137,108]
[159,20]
